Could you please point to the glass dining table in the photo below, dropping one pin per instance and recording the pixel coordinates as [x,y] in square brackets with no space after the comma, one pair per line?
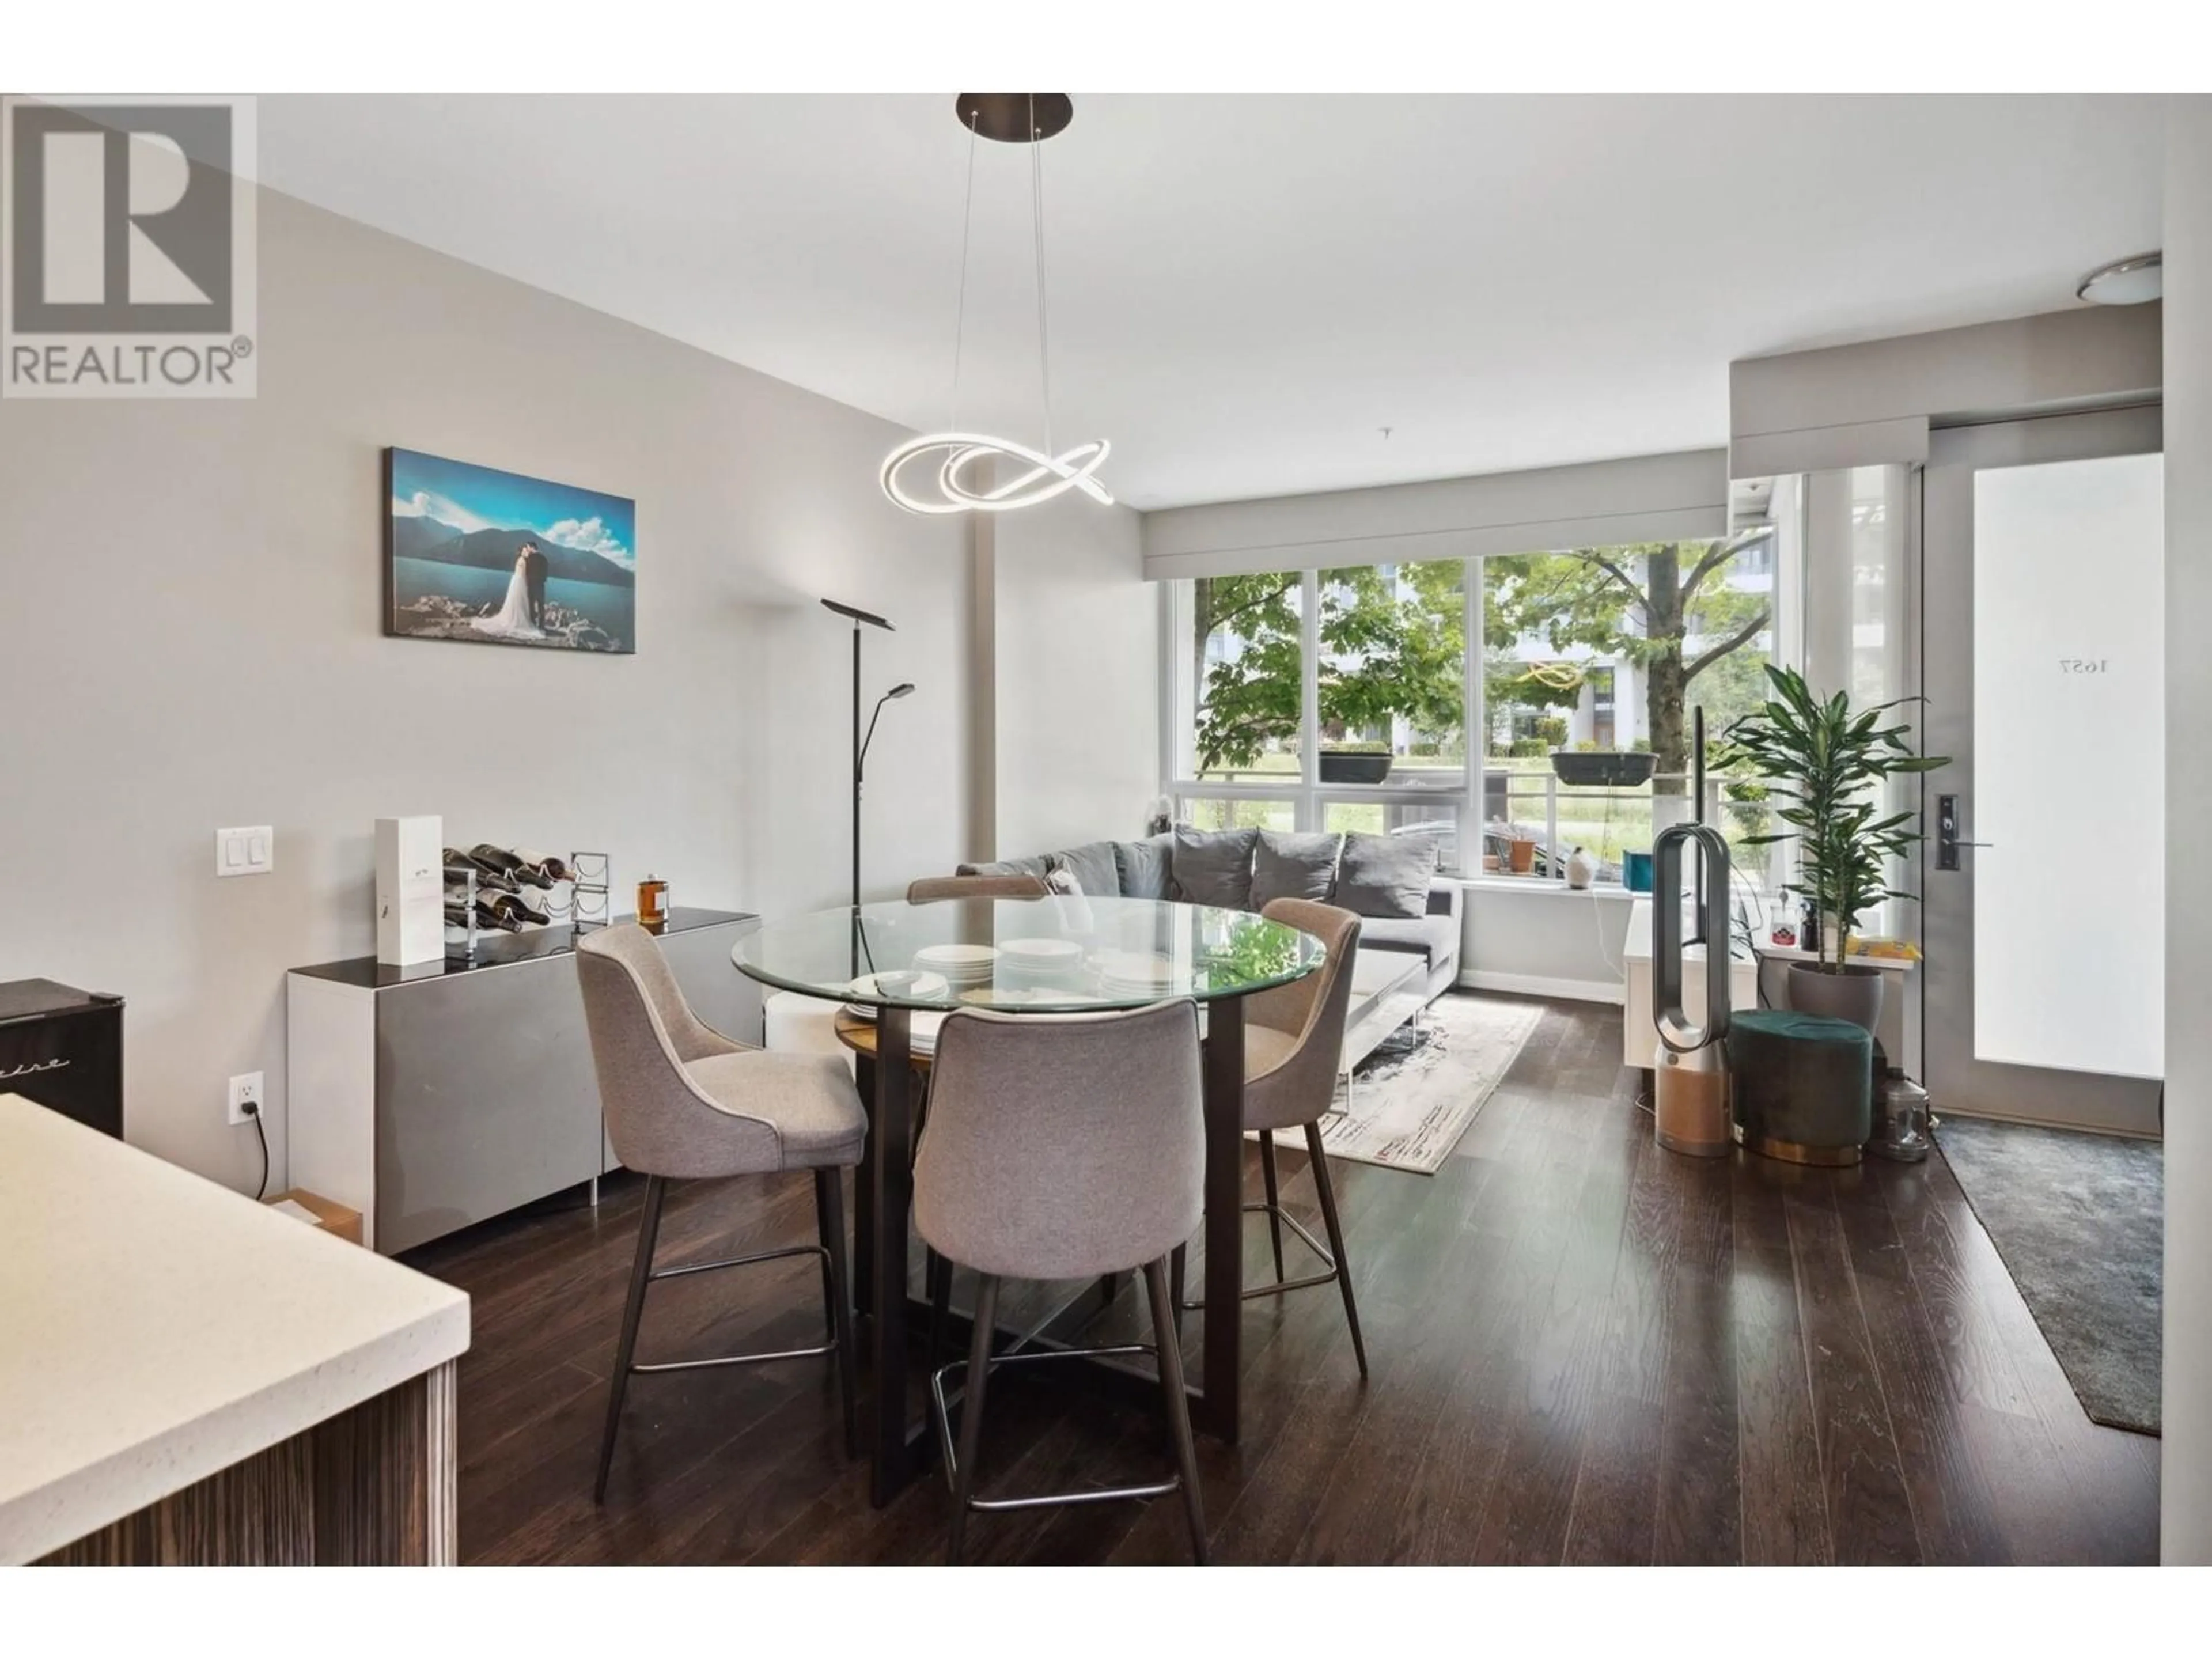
[901,968]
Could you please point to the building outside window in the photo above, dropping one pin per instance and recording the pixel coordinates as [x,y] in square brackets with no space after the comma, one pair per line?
[1601,685]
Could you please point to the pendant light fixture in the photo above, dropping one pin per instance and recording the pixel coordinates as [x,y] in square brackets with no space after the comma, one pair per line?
[958,482]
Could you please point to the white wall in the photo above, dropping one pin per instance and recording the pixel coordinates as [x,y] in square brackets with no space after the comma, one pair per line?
[1870,403]
[2186,1535]
[1077,639]
[1545,942]
[1640,498]
[192,603]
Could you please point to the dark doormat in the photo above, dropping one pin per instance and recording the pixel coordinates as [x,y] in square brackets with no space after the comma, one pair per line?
[2080,1220]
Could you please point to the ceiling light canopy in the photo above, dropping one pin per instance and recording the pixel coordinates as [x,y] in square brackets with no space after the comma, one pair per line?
[975,473]
[2129,282]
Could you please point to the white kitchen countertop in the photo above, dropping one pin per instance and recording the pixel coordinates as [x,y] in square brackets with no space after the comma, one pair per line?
[156,1328]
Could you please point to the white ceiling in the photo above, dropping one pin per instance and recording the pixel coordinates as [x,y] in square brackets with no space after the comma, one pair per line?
[1243,290]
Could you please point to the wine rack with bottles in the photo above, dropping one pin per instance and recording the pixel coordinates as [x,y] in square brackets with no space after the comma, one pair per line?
[588,883]
[492,889]
[460,910]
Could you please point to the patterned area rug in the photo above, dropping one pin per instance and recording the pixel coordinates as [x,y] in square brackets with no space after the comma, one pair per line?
[1414,1097]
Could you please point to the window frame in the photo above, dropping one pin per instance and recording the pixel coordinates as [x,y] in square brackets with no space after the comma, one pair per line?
[1311,799]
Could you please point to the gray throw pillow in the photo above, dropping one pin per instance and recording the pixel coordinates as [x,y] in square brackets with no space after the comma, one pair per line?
[1293,867]
[1214,867]
[1145,866]
[1384,875]
[1091,864]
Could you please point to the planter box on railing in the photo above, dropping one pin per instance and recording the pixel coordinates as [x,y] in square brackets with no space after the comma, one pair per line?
[1622,769]
[1351,766]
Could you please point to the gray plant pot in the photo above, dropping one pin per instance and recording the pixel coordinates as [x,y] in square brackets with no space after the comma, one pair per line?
[1354,766]
[1604,768]
[1853,995]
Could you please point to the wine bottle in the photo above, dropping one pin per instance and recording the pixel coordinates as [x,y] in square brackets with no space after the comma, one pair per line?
[488,857]
[532,908]
[541,869]
[517,910]
[495,910]
[488,875]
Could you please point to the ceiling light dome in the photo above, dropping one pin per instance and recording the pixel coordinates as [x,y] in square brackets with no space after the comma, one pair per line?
[2129,282]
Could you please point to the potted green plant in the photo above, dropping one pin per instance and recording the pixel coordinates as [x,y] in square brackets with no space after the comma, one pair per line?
[1830,765]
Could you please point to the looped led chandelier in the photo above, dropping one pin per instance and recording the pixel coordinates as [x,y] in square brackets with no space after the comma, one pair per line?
[962,450]
[955,486]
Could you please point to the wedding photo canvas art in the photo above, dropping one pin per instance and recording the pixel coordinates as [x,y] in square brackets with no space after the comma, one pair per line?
[495,558]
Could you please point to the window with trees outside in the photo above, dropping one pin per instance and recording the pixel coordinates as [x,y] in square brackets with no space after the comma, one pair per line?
[1343,699]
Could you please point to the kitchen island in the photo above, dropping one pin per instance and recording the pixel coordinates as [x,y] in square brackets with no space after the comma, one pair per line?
[187,1377]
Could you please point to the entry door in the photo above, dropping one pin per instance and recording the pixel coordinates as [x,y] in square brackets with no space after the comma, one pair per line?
[2042,663]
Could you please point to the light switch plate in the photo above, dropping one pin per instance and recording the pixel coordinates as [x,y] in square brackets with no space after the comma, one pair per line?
[248,851]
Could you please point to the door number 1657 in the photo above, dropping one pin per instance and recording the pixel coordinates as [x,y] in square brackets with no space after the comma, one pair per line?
[2084,665]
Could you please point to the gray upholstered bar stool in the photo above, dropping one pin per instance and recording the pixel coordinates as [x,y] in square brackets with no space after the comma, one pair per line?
[1063,1147]
[1293,1054]
[935,889]
[684,1103]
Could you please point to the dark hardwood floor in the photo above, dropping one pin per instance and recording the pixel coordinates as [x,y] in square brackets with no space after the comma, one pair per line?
[1584,1350]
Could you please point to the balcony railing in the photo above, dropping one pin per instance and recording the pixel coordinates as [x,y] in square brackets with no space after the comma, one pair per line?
[1522,800]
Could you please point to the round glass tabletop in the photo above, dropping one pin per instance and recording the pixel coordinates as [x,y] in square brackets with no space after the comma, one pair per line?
[1056,955]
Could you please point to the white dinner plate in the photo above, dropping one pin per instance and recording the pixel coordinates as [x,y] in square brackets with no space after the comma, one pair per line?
[1002,996]
[926,988]
[943,956]
[1042,953]
[1136,968]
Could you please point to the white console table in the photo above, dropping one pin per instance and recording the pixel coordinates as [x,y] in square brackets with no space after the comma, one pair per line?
[1639,1042]
[431,1097]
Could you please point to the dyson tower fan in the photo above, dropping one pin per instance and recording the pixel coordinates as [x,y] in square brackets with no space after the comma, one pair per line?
[1690,1085]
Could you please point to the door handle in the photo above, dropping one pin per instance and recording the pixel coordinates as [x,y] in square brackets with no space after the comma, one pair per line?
[1946,833]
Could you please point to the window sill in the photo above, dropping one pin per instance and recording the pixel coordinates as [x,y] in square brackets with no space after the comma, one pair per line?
[1537,884]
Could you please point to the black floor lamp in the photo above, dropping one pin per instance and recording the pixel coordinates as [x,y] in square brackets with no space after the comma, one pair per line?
[860,742]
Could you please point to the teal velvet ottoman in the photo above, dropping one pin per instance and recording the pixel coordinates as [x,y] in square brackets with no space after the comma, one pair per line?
[1802,1085]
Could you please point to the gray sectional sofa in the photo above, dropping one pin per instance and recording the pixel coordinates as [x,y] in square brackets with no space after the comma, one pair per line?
[1389,881]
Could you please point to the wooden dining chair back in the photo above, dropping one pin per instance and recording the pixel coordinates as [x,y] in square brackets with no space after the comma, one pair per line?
[930,889]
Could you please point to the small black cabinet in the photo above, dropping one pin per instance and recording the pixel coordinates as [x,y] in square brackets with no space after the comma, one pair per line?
[63,1049]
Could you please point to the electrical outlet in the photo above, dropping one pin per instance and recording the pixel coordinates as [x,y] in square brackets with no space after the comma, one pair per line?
[245,1090]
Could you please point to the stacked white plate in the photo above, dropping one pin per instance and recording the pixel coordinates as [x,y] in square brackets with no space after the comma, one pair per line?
[909,988]
[962,965]
[923,1027]
[1135,974]
[1038,960]
[1026,996]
